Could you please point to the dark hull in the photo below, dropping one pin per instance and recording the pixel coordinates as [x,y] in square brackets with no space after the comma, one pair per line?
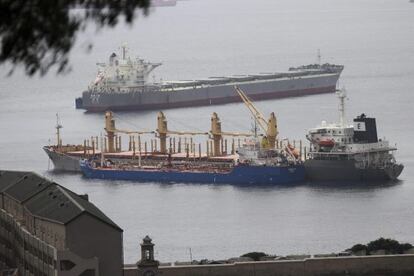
[117,94]
[210,101]
[345,170]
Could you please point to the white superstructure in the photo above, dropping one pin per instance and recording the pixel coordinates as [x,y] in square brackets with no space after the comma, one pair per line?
[344,151]
[122,72]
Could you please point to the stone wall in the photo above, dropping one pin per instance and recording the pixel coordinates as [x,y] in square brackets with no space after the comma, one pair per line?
[362,265]
[389,265]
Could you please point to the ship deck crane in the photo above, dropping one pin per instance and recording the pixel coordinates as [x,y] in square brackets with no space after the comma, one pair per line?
[111,130]
[162,130]
[269,127]
[217,134]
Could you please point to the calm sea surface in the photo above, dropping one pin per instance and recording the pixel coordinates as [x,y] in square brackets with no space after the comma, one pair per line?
[374,39]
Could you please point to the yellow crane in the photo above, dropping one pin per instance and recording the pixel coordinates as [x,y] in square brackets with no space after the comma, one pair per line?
[269,127]
[111,130]
[162,130]
[217,134]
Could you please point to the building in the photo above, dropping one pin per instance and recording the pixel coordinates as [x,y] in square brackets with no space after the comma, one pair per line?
[147,266]
[45,229]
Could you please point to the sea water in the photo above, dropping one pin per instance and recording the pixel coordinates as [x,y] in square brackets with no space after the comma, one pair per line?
[374,39]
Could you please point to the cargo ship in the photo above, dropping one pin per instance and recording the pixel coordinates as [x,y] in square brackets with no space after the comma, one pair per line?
[169,144]
[345,152]
[66,157]
[255,166]
[122,84]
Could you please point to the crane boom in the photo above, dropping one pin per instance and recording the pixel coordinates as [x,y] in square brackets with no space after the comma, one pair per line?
[132,131]
[110,126]
[186,132]
[235,134]
[269,127]
[255,112]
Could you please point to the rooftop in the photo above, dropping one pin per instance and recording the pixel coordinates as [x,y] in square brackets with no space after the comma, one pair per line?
[24,185]
[8,177]
[48,200]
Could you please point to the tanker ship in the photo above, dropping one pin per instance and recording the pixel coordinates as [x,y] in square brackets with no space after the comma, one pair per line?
[122,84]
[342,152]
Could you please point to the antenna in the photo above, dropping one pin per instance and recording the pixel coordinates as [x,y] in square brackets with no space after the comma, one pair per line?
[341,95]
[319,57]
[58,127]
[254,127]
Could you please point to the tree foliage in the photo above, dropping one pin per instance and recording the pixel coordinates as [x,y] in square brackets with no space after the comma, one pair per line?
[255,255]
[357,247]
[41,33]
[389,245]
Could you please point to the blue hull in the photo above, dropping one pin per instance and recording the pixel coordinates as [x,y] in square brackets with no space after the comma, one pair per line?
[239,175]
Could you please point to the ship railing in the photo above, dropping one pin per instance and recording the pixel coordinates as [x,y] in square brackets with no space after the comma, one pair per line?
[129,89]
[170,86]
[319,67]
[166,166]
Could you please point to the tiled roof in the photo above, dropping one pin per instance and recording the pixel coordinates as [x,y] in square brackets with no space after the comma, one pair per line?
[26,186]
[9,177]
[90,208]
[49,200]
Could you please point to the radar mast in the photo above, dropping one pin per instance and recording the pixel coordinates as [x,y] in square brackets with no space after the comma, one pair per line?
[58,127]
[342,96]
